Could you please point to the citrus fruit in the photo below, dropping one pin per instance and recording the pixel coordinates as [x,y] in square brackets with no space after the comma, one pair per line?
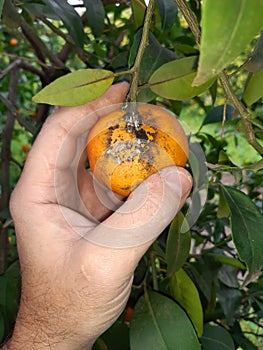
[13,41]
[121,155]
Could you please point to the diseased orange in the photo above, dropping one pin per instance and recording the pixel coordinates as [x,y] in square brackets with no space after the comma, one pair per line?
[122,158]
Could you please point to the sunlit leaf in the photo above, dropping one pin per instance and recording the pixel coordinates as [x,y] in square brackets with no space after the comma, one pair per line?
[174,79]
[246,221]
[138,11]
[223,210]
[226,31]
[158,323]
[95,14]
[185,293]
[254,88]
[76,88]
[177,246]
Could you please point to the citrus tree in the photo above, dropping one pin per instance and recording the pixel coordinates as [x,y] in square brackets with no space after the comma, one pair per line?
[200,285]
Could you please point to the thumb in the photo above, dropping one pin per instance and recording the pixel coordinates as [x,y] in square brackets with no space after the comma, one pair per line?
[147,211]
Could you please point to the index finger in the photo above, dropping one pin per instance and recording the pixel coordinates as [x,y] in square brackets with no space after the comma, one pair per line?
[43,157]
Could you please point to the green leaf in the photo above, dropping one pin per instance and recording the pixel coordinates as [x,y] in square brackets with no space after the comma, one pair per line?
[197,162]
[2,325]
[158,323]
[255,61]
[1,7]
[228,276]
[174,79]
[227,260]
[10,16]
[40,9]
[95,14]
[10,293]
[203,272]
[116,337]
[254,88]
[76,88]
[246,221]
[216,338]
[216,114]
[138,12]
[168,12]
[230,299]
[70,18]
[227,28]
[154,53]
[223,210]
[185,293]
[177,245]
[240,339]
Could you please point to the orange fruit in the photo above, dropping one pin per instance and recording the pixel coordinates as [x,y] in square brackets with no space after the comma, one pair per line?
[13,41]
[121,158]
[128,314]
[25,148]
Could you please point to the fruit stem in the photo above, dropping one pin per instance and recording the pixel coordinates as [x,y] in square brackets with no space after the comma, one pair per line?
[132,95]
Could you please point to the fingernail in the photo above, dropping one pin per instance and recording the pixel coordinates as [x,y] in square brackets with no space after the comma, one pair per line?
[179,180]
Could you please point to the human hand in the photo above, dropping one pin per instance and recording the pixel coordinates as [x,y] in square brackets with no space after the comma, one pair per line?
[77,258]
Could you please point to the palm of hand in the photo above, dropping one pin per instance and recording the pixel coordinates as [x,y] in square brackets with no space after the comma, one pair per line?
[72,287]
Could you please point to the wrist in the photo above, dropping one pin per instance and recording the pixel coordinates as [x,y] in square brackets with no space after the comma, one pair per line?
[30,333]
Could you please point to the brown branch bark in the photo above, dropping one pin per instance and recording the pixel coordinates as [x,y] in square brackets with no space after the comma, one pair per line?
[5,166]
[20,63]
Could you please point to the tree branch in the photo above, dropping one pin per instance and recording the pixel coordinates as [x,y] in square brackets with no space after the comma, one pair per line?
[20,63]
[144,42]
[5,166]
[190,18]
[40,48]
[12,110]
[223,78]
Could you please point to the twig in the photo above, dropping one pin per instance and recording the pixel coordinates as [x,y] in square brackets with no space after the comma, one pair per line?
[54,29]
[12,110]
[19,63]
[10,67]
[190,19]
[25,59]
[132,96]
[244,114]
[223,78]
[224,119]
